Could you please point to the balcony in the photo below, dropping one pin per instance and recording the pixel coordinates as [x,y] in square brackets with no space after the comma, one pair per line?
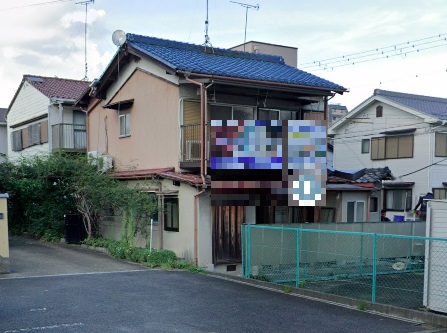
[69,137]
[191,145]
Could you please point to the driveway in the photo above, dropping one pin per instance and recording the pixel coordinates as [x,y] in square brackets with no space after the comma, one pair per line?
[29,257]
[91,292]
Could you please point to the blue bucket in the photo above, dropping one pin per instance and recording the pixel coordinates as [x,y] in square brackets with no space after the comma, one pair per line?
[398,218]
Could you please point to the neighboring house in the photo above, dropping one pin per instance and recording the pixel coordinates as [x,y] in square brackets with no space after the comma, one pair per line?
[354,196]
[150,111]
[336,112]
[407,133]
[42,117]
[3,136]
[288,53]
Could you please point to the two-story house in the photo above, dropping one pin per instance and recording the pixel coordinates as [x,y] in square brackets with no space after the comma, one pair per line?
[407,133]
[151,111]
[42,117]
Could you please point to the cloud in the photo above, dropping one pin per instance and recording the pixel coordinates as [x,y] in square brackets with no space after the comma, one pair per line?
[79,16]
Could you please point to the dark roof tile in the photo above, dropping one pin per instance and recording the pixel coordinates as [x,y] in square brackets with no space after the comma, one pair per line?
[432,106]
[221,62]
[56,87]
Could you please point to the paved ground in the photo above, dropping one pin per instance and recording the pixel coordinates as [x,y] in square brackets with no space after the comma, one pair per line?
[29,257]
[101,294]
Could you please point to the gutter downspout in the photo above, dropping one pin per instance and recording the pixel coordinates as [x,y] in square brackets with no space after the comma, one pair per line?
[203,110]
[196,246]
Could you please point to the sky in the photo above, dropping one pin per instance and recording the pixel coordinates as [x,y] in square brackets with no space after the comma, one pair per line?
[46,37]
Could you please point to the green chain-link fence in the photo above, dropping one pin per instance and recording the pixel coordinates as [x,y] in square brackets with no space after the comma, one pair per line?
[381,268]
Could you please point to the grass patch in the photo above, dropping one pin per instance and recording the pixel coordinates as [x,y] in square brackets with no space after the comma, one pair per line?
[164,259]
[287,289]
[361,305]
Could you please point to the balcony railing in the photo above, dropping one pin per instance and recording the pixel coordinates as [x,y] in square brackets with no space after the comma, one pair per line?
[69,137]
[191,142]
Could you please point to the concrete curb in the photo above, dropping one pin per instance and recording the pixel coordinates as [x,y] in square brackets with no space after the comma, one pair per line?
[426,317]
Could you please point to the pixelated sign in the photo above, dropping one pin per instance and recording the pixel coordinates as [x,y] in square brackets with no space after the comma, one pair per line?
[268,163]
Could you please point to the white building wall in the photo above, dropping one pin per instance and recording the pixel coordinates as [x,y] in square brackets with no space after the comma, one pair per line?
[29,103]
[365,125]
[3,142]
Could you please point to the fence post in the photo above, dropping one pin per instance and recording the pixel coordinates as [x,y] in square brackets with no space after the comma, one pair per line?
[244,248]
[248,234]
[374,269]
[297,278]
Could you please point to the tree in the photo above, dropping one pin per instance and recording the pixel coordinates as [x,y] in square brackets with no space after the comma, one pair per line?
[43,189]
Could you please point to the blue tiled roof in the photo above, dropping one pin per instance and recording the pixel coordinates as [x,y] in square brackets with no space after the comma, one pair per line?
[432,106]
[221,62]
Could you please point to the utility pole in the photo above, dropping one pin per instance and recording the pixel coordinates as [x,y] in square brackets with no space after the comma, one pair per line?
[247,7]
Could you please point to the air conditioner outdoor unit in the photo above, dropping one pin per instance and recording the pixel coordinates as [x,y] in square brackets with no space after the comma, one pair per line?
[105,163]
[192,150]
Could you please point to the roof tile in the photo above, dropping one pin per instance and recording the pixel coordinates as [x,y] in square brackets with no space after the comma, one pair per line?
[221,62]
[432,106]
[54,87]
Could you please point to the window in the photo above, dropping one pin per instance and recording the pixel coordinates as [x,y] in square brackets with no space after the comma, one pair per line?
[327,214]
[441,144]
[171,212]
[392,147]
[398,199]
[373,204]
[16,139]
[33,134]
[440,193]
[44,131]
[266,114]
[355,211]
[379,111]
[243,113]
[124,119]
[365,146]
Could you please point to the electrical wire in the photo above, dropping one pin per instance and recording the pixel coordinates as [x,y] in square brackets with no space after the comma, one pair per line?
[402,49]
[410,173]
[36,4]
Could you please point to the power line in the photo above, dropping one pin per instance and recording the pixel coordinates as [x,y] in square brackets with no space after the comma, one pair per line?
[36,4]
[402,50]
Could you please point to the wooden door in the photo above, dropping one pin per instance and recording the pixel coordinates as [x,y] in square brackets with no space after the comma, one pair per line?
[227,223]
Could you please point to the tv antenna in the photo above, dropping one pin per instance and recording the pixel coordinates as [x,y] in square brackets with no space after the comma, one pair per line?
[207,38]
[86,3]
[247,7]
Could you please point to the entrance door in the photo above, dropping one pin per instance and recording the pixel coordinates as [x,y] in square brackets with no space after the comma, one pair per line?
[227,223]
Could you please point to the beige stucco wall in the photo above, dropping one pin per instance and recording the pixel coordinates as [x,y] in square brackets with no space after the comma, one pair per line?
[154,125]
[290,54]
[181,242]
[4,242]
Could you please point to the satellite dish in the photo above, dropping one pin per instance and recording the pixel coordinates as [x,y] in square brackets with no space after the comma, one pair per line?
[119,37]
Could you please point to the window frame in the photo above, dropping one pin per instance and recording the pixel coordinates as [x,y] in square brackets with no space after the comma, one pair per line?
[366,146]
[379,111]
[16,140]
[124,126]
[436,190]
[394,207]
[33,134]
[438,146]
[356,207]
[386,143]
[373,204]
[172,222]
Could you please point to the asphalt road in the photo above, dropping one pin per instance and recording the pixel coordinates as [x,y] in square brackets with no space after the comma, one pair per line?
[128,298]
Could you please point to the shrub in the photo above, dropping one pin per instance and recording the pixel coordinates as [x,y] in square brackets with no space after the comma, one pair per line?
[157,258]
